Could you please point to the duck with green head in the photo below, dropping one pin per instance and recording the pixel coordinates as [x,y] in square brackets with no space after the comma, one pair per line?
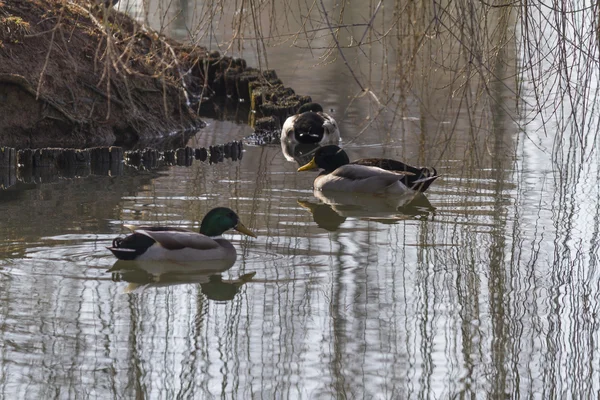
[367,175]
[179,244]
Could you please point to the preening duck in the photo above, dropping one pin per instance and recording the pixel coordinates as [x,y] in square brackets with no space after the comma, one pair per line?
[310,125]
[368,175]
[179,244]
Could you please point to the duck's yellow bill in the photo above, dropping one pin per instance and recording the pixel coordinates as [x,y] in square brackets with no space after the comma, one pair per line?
[242,229]
[309,166]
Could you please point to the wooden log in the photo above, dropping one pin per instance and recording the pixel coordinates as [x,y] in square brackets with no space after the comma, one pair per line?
[184,156]
[25,158]
[46,157]
[133,158]
[8,177]
[99,156]
[8,158]
[231,87]
[234,151]
[150,158]
[227,150]
[243,83]
[106,160]
[110,160]
[116,154]
[201,154]
[169,157]
[74,171]
[117,160]
[70,158]
[216,154]
[25,173]
[240,149]
[239,62]
[40,175]
[269,123]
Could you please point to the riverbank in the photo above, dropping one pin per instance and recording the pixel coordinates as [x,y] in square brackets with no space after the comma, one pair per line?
[81,75]
[72,75]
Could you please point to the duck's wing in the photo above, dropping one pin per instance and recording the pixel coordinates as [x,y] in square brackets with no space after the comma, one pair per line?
[359,172]
[362,179]
[417,178]
[134,228]
[388,164]
[177,240]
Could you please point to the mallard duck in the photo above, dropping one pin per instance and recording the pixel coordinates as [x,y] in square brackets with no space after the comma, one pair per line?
[310,125]
[179,244]
[368,175]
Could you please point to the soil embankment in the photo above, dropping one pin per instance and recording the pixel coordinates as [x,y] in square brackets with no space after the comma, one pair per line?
[77,74]
[80,75]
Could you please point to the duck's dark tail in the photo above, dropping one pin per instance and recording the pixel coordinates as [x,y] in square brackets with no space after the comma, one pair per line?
[420,182]
[130,247]
[418,179]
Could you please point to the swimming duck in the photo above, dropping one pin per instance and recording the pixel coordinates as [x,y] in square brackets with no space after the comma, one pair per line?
[310,125]
[179,244]
[367,175]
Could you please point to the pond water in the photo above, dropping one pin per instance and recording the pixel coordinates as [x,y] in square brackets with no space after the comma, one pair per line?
[489,287]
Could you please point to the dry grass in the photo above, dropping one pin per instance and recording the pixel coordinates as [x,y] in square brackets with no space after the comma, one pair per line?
[13,29]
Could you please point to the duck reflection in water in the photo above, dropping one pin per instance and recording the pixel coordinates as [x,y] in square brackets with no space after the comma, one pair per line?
[335,207]
[151,274]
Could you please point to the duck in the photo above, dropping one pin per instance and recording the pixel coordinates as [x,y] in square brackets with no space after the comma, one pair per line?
[311,125]
[367,175]
[165,243]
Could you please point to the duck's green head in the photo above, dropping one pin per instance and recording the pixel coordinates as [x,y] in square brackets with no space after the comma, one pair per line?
[221,219]
[328,158]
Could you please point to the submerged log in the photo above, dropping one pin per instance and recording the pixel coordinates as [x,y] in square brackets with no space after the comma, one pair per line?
[47,157]
[8,157]
[8,167]
[216,154]
[133,158]
[99,156]
[184,156]
[49,164]
[70,158]
[150,158]
[201,154]
[169,157]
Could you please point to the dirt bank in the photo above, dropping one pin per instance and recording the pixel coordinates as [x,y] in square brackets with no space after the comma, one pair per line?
[80,75]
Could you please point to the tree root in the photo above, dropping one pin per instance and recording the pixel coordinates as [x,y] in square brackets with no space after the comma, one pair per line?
[23,83]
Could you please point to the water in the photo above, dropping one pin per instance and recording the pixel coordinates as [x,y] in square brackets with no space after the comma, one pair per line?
[488,287]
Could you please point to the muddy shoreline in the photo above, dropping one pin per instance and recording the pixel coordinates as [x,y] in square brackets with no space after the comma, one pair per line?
[79,75]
